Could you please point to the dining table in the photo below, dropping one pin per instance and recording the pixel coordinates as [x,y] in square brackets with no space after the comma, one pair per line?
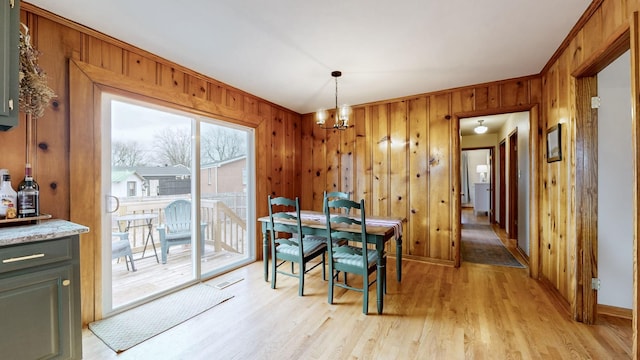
[380,230]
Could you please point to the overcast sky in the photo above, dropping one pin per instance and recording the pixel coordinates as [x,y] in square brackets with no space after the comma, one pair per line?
[131,122]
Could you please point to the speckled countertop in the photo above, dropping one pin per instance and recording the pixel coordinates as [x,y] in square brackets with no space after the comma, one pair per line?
[45,230]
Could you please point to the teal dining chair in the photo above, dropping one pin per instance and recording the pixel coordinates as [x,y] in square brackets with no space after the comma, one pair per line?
[290,242]
[354,257]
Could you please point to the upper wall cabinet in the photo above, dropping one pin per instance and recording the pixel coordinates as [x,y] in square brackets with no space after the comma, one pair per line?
[9,63]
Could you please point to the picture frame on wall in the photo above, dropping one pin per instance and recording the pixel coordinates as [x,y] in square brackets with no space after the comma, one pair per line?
[554,143]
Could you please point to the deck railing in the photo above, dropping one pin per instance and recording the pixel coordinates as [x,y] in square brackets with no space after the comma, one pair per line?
[225,229]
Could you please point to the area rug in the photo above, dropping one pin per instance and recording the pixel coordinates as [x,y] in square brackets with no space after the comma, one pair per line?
[127,329]
[481,245]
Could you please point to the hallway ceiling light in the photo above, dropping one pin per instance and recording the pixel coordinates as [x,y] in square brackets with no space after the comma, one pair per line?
[341,115]
[480,129]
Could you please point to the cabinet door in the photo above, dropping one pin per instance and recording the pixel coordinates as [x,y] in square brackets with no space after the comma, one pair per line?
[9,63]
[37,318]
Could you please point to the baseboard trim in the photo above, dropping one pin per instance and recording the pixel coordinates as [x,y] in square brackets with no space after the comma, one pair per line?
[615,311]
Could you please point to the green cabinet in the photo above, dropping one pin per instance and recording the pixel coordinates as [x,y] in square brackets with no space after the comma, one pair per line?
[40,300]
[9,63]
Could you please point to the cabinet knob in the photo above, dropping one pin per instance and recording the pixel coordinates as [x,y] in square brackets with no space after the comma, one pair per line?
[66,282]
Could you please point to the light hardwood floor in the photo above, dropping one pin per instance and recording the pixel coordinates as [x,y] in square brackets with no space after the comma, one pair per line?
[437,312]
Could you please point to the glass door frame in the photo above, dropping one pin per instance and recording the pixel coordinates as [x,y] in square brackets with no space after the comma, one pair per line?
[106,99]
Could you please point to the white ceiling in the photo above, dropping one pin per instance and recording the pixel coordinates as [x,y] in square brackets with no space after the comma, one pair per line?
[284,50]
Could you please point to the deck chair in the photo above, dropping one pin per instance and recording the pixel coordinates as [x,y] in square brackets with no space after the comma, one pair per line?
[355,258]
[122,248]
[176,229]
[286,247]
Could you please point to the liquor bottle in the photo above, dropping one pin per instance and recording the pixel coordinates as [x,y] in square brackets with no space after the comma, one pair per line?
[8,198]
[28,173]
[28,199]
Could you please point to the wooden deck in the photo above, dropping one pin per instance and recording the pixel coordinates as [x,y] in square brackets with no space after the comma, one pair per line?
[152,277]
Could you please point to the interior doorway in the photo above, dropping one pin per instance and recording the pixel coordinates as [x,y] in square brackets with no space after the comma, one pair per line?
[615,188]
[508,136]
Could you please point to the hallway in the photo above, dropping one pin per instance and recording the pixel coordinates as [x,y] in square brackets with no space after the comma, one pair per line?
[483,243]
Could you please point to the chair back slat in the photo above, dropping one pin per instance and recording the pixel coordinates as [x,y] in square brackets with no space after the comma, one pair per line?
[288,209]
[177,216]
[334,195]
[336,223]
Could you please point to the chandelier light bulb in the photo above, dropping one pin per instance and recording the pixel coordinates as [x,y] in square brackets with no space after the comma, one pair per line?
[342,113]
[321,116]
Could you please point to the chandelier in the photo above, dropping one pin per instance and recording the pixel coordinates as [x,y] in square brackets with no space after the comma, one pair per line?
[480,129]
[341,115]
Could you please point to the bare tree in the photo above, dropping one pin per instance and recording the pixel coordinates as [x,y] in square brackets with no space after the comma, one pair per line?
[127,154]
[220,143]
[173,146]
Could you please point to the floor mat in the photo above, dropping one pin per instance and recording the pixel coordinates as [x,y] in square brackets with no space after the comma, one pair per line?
[481,245]
[127,329]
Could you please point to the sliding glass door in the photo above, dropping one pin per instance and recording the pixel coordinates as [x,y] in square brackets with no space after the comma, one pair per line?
[177,196]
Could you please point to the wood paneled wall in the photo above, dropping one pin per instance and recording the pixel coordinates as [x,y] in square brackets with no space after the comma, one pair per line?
[109,62]
[569,188]
[401,156]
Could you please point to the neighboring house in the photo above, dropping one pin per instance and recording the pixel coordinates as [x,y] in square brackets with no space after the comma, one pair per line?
[126,183]
[228,176]
[160,180]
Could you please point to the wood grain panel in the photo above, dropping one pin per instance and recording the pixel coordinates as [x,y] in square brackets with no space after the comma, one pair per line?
[139,67]
[592,32]
[481,98]
[306,171]
[363,168]
[104,54]
[332,162]
[217,92]
[494,96]
[380,159]
[562,113]
[51,130]
[251,105]
[171,78]
[439,168]
[613,14]
[347,165]
[418,218]
[398,166]
[463,100]
[197,87]
[277,142]
[264,184]
[318,157]
[514,93]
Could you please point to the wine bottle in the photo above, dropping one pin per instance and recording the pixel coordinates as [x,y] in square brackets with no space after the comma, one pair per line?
[8,198]
[28,199]
[28,173]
